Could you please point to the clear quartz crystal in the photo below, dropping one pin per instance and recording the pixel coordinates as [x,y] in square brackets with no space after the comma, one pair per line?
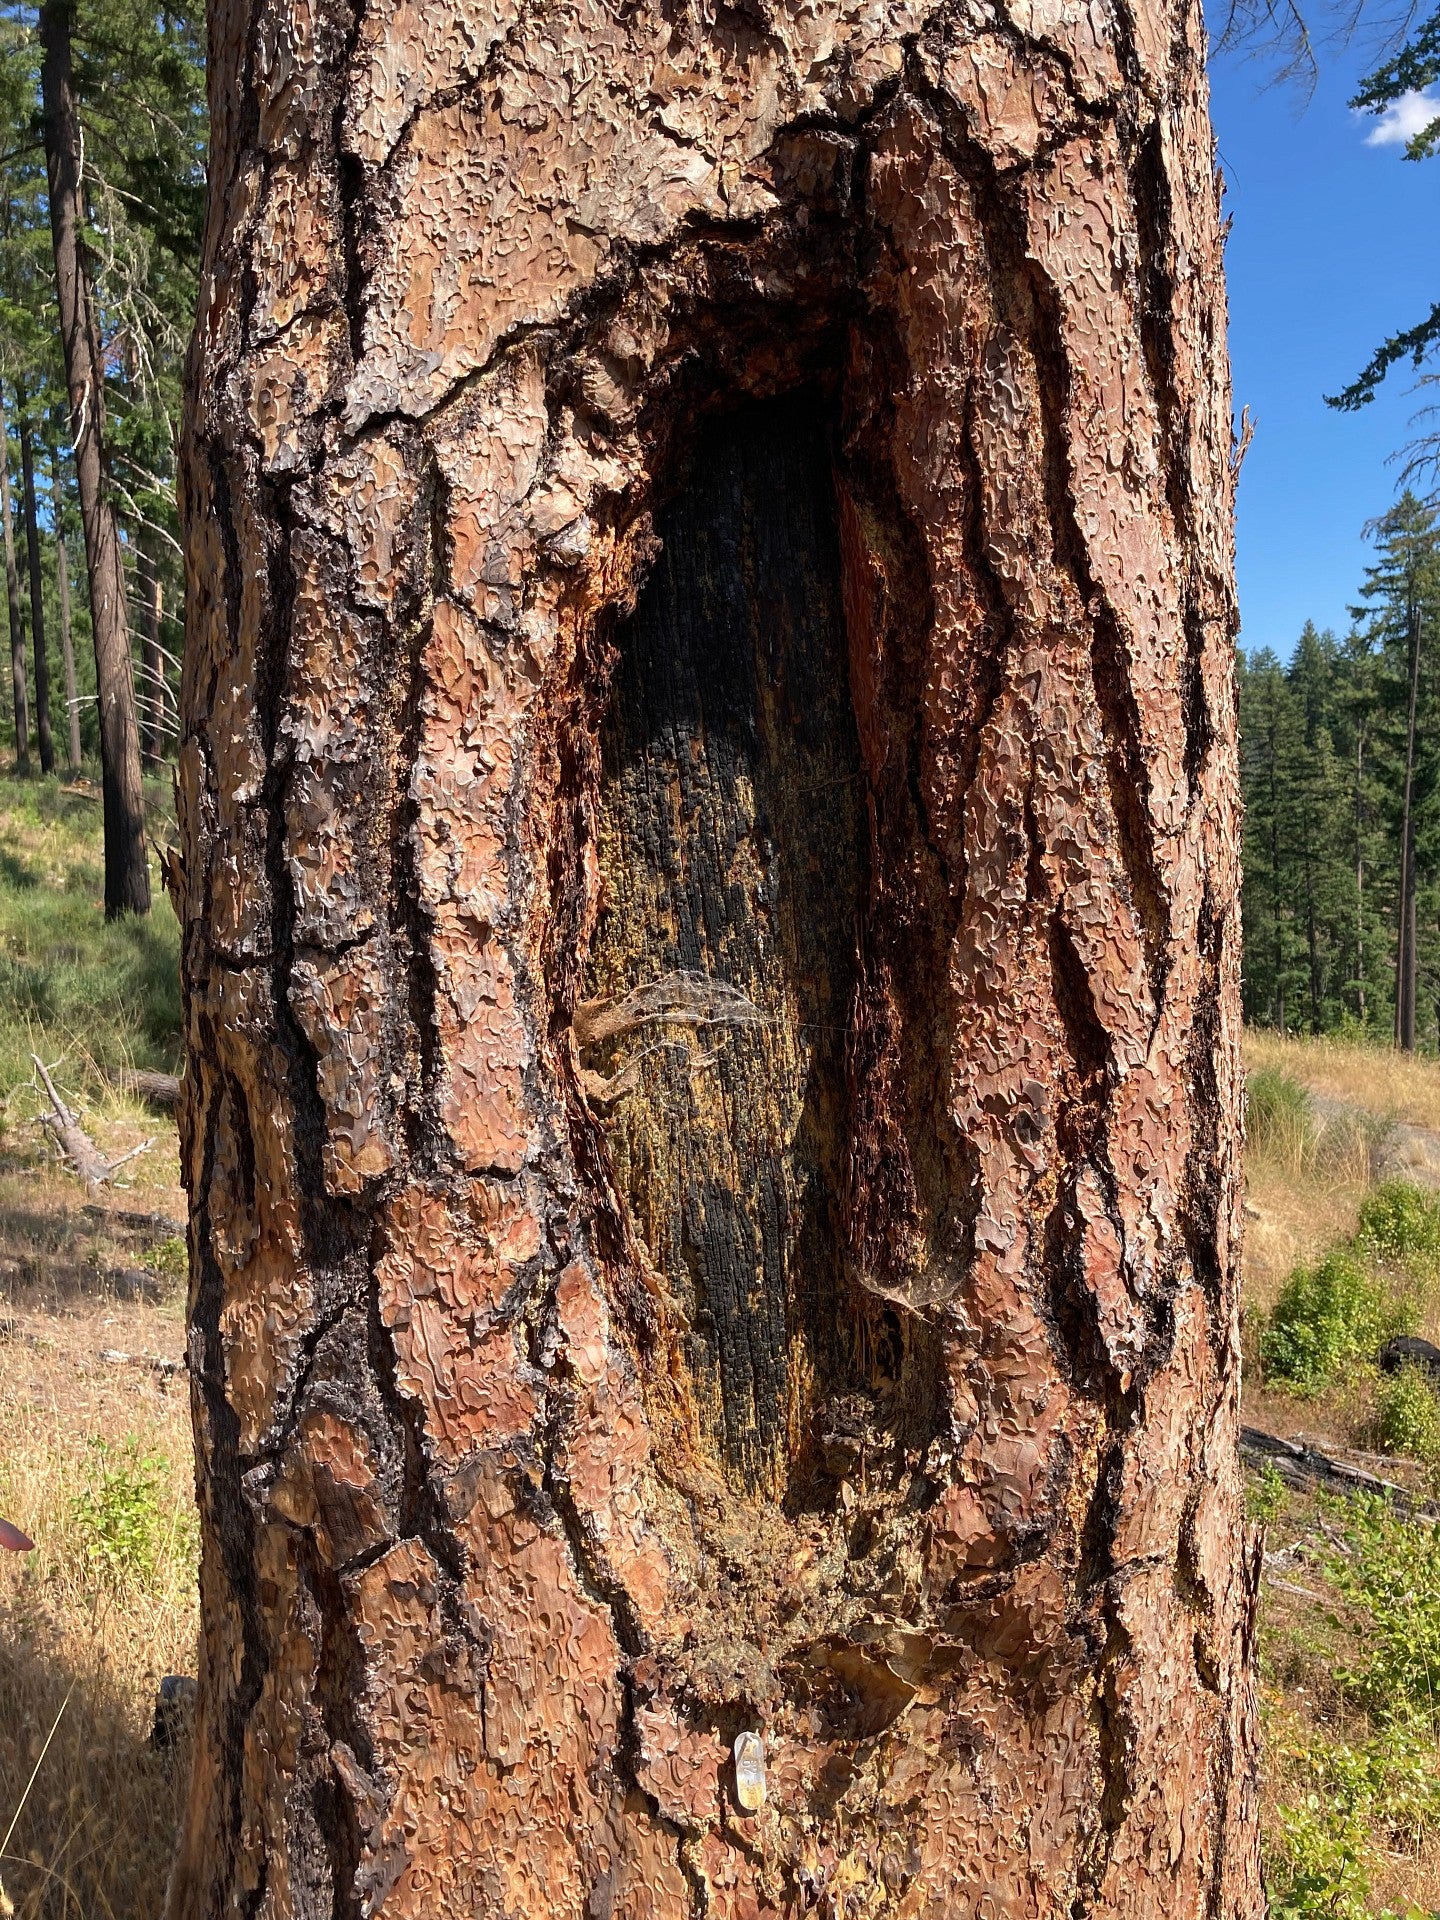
[750,1771]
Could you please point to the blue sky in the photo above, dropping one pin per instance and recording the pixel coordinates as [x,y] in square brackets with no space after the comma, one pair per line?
[1332,247]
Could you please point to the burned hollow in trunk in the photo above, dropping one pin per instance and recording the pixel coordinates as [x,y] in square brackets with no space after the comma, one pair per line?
[723,968]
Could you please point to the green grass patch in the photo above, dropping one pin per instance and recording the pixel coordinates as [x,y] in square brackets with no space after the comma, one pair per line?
[1319,1860]
[123,1516]
[1391,1572]
[168,1260]
[91,995]
[1377,1787]
[1332,1316]
[1279,1121]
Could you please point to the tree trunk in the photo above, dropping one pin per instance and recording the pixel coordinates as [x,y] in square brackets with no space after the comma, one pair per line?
[62,584]
[708,799]
[152,665]
[1312,930]
[127,871]
[43,736]
[16,610]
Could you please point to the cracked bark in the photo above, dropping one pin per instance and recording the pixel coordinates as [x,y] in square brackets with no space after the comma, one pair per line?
[710,904]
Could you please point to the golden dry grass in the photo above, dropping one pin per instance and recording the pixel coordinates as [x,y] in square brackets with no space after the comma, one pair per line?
[1290,1221]
[1376,1079]
[84,1640]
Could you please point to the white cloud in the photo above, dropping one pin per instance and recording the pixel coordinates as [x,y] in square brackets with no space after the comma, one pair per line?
[1404,118]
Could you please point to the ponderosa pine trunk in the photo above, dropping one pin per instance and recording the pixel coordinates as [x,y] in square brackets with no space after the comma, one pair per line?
[710,902]
[127,868]
[44,738]
[67,639]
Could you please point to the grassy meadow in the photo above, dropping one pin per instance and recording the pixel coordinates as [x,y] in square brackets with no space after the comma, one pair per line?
[95,1460]
[1343,1247]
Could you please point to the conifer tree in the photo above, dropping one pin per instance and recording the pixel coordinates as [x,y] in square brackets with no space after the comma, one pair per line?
[1400,603]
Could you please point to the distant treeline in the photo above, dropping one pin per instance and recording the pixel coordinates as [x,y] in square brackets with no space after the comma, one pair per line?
[1340,763]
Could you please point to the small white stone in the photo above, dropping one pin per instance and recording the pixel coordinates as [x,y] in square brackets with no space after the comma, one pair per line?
[750,1771]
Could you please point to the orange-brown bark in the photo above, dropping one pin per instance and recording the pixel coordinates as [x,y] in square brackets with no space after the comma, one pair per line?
[714,1320]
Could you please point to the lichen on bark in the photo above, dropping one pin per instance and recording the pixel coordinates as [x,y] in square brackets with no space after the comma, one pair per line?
[710,905]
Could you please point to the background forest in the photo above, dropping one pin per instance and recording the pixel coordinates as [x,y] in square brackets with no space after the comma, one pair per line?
[1340,756]
[137,79]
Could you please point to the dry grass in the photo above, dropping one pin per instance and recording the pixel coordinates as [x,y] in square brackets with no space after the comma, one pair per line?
[1290,1222]
[1304,1180]
[106,1604]
[1378,1080]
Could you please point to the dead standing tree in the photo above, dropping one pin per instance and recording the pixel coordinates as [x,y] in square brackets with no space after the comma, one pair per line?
[710,902]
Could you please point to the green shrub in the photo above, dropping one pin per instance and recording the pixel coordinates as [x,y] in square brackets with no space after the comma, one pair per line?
[1407,1415]
[168,1260]
[1265,1496]
[1400,1227]
[119,1514]
[1326,1317]
[1279,1121]
[1386,1788]
[1392,1572]
[1316,1866]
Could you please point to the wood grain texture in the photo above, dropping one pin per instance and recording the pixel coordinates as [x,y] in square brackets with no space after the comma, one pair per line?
[677,1259]
[730,846]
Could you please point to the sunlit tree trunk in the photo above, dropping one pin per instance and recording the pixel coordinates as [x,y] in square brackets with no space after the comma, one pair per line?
[708,799]
[62,586]
[127,869]
[43,736]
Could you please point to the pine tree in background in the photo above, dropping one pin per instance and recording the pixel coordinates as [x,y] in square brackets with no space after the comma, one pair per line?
[1398,619]
[1269,744]
[127,871]
[62,600]
[131,227]
[1341,766]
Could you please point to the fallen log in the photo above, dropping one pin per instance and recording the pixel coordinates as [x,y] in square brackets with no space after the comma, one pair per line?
[74,1143]
[113,1357]
[160,1089]
[1303,1465]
